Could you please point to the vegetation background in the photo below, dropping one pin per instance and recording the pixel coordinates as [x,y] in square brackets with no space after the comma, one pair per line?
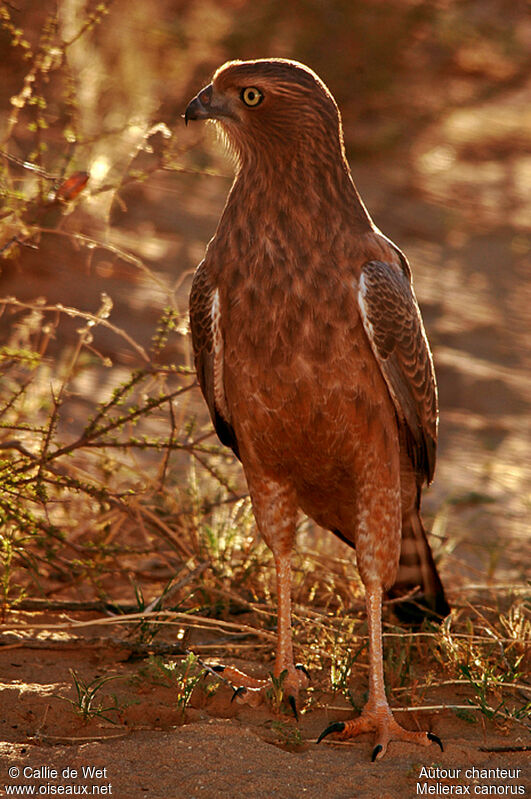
[119,511]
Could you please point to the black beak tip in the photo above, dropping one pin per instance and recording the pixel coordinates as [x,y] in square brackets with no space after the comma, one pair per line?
[190,112]
[199,106]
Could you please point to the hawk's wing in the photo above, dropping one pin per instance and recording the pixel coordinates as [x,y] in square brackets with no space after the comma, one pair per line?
[207,340]
[392,321]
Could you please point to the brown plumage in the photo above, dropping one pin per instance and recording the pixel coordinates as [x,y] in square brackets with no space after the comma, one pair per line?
[312,357]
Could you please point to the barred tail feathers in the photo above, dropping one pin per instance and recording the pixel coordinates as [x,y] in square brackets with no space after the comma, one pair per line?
[417,569]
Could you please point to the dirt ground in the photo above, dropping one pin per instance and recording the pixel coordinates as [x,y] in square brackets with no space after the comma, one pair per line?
[461,213]
[219,749]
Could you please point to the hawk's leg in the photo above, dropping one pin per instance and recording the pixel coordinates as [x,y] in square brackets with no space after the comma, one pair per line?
[275,510]
[376,716]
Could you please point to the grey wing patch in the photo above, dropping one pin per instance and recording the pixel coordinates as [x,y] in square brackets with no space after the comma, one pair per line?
[393,324]
[207,341]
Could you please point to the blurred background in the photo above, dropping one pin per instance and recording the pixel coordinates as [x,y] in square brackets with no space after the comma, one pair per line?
[436,104]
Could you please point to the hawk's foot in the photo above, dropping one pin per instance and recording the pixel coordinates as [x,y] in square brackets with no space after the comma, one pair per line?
[252,691]
[381,721]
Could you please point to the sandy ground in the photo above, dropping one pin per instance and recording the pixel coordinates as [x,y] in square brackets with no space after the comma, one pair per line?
[222,749]
[219,759]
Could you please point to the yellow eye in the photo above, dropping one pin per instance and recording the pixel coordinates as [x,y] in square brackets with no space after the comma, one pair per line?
[252,96]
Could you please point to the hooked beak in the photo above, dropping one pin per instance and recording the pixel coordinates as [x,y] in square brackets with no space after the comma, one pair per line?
[201,106]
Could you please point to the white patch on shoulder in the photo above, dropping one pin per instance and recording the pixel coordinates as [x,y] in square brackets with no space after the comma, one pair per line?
[362,293]
[367,324]
[217,338]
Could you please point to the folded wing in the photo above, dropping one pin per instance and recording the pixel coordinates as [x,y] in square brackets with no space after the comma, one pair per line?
[393,324]
[207,340]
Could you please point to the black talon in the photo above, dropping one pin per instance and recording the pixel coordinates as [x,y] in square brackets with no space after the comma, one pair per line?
[238,692]
[303,668]
[337,726]
[293,706]
[218,667]
[435,739]
[376,751]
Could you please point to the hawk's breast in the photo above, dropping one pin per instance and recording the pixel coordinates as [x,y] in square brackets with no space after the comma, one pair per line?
[299,376]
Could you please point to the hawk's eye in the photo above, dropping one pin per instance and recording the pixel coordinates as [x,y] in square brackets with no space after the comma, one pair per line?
[252,96]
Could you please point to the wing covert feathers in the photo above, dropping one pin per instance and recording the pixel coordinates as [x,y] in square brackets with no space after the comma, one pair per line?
[393,324]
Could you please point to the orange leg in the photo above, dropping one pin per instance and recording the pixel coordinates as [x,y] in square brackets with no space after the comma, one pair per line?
[376,716]
[275,512]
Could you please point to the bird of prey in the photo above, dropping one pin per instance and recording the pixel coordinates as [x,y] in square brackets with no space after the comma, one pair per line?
[312,357]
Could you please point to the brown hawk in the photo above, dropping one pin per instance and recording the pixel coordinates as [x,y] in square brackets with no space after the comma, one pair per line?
[312,356]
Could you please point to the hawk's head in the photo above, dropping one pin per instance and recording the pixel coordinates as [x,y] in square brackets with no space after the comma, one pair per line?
[268,105]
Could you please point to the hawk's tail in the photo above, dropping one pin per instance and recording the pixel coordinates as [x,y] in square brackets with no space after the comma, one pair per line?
[416,569]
